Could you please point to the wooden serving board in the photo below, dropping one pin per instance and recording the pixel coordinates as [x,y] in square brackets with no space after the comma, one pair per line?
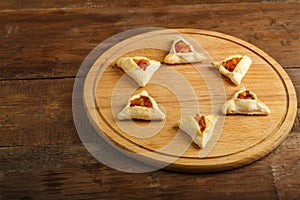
[188,89]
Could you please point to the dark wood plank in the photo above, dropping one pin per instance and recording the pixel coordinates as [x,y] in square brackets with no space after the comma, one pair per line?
[39,4]
[54,42]
[285,164]
[294,75]
[69,172]
[36,112]
[296,126]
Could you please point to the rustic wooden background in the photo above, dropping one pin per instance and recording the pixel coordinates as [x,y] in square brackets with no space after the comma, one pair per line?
[43,44]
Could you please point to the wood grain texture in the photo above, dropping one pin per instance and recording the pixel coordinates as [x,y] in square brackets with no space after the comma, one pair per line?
[284,179]
[35,112]
[50,104]
[243,139]
[39,4]
[62,177]
[295,77]
[43,43]
[32,47]
[69,171]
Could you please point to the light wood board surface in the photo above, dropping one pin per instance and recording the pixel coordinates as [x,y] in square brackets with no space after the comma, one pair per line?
[187,89]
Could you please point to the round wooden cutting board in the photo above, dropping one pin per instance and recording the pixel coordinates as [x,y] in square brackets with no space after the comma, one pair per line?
[186,89]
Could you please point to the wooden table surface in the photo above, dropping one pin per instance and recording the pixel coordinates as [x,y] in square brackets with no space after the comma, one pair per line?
[43,44]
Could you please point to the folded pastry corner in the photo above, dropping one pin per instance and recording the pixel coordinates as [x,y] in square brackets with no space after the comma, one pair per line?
[245,102]
[141,106]
[182,52]
[139,68]
[199,128]
[234,67]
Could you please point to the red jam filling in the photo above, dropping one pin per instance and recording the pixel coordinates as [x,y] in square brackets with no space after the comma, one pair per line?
[141,101]
[143,64]
[182,47]
[245,95]
[201,122]
[231,64]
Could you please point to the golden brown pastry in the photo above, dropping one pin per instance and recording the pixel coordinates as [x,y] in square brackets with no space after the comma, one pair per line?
[141,106]
[182,52]
[139,68]
[245,102]
[199,127]
[234,67]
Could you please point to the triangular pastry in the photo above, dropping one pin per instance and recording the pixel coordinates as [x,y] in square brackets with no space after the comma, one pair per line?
[139,68]
[234,67]
[199,128]
[182,52]
[245,102]
[141,106]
